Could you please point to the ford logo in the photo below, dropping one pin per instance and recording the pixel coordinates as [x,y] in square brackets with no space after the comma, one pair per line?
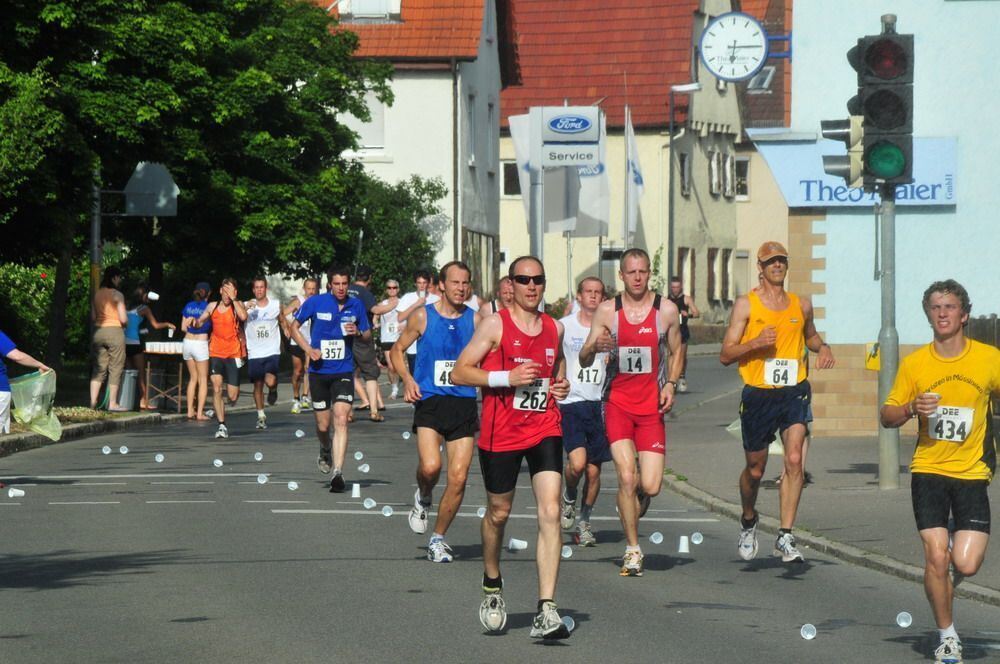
[590,171]
[569,124]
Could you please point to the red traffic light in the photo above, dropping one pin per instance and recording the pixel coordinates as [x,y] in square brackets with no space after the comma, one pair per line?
[886,59]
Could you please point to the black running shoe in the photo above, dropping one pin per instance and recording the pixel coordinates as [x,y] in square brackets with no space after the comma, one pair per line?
[644,501]
[337,484]
[272,396]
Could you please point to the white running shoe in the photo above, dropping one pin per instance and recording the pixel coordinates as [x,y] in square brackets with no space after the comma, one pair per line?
[493,611]
[949,652]
[547,624]
[261,422]
[395,392]
[438,551]
[324,461]
[747,543]
[306,403]
[418,515]
[682,385]
[296,407]
[584,535]
[631,564]
[222,432]
[568,517]
[784,546]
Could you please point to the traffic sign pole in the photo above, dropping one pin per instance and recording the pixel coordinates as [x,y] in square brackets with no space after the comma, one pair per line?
[888,339]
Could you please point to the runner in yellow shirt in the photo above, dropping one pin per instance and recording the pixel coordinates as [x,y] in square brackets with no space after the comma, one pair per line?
[947,384]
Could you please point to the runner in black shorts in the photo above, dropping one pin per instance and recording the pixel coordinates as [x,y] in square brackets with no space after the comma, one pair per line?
[687,309]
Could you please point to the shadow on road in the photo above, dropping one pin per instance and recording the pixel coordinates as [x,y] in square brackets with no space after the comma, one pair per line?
[66,568]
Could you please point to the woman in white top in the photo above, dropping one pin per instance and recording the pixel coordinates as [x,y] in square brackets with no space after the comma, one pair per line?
[388,324]
[300,361]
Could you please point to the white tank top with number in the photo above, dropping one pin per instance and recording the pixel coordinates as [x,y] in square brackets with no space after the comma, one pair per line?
[263,334]
[585,384]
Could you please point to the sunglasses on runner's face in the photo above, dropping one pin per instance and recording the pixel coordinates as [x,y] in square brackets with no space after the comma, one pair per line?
[525,279]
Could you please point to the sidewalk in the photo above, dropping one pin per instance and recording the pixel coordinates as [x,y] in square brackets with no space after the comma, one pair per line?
[843,513]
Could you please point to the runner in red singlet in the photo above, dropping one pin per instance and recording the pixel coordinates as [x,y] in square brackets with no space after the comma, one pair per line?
[515,356]
[635,328]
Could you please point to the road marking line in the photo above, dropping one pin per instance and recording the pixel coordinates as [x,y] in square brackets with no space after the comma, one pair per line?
[99,483]
[476,516]
[5,504]
[87,502]
[183,482]
[175,502]
[277,501]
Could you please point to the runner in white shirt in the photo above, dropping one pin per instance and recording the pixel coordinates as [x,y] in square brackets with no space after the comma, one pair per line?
[389,330]
[300,361]
[263,330]
[413,300]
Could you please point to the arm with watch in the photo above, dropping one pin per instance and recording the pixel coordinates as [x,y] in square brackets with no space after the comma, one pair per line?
[669,321]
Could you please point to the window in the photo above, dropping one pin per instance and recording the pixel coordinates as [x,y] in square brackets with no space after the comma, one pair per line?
[511,185]
[371,134]
[728,287]
[715,173]
[685,267]
[367,8]
[760,84]
[742,178]
[492,141]
[491,22]
[685,174]
[729,176]
[470,144]
[714,276]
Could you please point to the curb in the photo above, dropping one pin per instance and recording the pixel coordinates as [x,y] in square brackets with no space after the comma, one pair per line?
[845,552]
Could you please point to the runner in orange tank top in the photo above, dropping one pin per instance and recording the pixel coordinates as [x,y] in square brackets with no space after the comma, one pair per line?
[768,332]
[225,349]
[636,328]
[515,356]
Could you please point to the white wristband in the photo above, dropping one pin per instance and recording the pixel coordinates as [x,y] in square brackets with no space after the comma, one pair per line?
[498,379]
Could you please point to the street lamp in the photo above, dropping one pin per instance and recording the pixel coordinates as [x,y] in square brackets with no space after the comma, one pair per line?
[685,88]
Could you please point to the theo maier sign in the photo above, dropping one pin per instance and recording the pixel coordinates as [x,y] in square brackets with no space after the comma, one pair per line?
[570,136]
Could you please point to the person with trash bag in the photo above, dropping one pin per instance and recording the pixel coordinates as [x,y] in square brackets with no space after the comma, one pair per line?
[9,351]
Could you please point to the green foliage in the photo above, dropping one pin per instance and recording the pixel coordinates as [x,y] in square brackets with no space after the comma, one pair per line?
[28,295]
[658,280]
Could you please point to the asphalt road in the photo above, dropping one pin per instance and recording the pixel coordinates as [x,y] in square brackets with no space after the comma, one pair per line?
[118,558]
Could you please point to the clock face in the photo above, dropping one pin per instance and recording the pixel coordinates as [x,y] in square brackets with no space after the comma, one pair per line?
[734,46]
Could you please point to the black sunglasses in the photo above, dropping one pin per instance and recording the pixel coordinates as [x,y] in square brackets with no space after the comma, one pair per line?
[525,279]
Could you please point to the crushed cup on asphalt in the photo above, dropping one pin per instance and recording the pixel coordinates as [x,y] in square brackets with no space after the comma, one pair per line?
[356,490]
[567,551]
[369,503]
[808,631]
[123,449]
[299,433]
[159,458]
[15,493]
[364,468]
[358,456]
[387,511]
[515,544]
[406,435]
[697,538]
[262,479]
[682,545]
[258,456]
[481,512]
[105,450]
[569,622]
[293,486]
[217,463]
[904,619]
[656,537]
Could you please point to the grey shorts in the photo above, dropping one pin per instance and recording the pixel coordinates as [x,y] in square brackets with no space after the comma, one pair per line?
[365,361]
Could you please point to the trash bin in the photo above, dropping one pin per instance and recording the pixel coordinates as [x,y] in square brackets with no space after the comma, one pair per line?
[126,393]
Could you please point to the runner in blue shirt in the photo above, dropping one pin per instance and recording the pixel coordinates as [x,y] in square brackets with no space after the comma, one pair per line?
[336,319]
[9,350]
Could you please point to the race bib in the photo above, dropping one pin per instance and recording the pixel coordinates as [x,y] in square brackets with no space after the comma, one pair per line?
[533,397]
[332,349]
[635,360]
[390,328]
[263,332]
[780,372]
[442,373]
[592,375]
[950,423]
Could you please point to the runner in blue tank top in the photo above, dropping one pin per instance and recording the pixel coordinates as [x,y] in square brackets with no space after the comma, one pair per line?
[444,412]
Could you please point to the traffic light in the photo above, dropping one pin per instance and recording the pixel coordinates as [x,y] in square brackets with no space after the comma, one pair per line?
[879,134]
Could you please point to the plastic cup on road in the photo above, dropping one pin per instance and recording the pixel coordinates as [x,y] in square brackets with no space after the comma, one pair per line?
[364,468]
[123,449]
[567,551]
[299,433]
[262,479]
[515,544]
[387,511]
[15,493]
[369,503]
[682,545]
[293,486]
[406,435]
[159,458]
[569,622]
[359,455]
[697,538]
[656,537]
[258,456]
[105,450]
[217,463]
[904,619]
[481,512]
[356,490]
[808,631]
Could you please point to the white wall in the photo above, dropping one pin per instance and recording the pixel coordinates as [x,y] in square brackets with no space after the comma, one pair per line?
[954,95]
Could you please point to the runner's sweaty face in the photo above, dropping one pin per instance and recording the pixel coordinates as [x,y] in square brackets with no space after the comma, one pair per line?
[310,287]
[456,286]
[944,311]
[260,289]
[591,294]
[338,287]
[634,274]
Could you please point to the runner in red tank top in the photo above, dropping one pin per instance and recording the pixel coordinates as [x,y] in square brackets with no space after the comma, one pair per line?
[635,328]
[515,356]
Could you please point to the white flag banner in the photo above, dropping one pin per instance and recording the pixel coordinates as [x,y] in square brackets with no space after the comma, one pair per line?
[561,185]
[595,197]
[633,180]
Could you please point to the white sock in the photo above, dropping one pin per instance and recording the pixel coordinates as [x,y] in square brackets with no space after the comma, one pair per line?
[949,631]
[436,536]
[629,549]
[260,413]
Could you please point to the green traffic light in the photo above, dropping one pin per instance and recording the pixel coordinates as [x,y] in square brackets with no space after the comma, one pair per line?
[885,160]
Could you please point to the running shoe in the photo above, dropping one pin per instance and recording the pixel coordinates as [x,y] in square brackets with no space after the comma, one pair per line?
[438,551]
[682,385]
[784,546]
[949,652]
[493,610]
[324,461]
[306,403]
[568,514]
[272,396]
[222,432]
[296,407]
[747,544]
[632,563]
[337,484]
[644,501]
[547,624]
[395,392]
[261,422]
[584,536]
[418,515]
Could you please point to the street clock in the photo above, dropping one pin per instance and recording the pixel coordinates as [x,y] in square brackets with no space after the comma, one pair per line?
[733,46]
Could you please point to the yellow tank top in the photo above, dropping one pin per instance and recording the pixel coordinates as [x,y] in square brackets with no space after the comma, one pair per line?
[784,363]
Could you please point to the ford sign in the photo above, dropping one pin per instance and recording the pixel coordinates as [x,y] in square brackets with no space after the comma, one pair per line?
[569,124]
